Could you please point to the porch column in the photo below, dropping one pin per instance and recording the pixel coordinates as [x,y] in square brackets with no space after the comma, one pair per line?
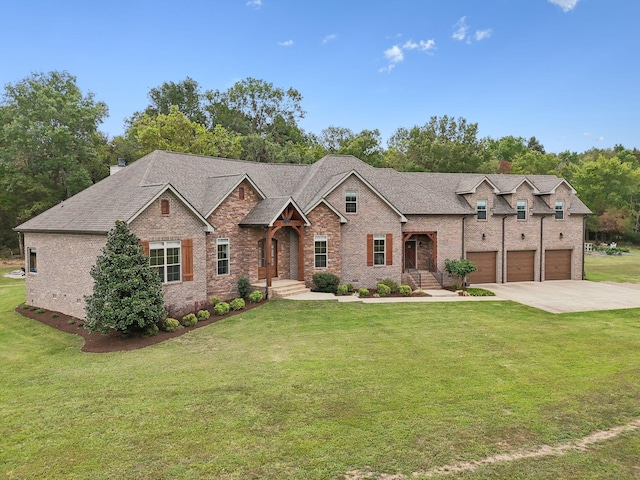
[300,231]
[267,254]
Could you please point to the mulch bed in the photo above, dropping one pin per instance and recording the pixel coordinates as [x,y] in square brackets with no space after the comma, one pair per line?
[114,341]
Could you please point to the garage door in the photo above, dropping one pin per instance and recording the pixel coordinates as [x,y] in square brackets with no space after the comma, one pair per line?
[485,262]
[520,265]
[557,265]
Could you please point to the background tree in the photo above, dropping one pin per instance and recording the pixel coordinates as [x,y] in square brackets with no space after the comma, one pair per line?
[49,145]
[252,106]
[127,294]
[175,132]
[442,145]
[185,95]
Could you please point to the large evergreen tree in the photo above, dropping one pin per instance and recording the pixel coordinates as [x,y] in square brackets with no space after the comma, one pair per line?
[127,294]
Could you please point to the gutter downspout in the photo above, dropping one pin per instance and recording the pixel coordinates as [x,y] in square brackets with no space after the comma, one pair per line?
[504,217]
[541,245]
[584,239]
[464,217]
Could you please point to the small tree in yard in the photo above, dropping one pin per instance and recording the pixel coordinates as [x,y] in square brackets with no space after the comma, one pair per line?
[460,268]
[127,294]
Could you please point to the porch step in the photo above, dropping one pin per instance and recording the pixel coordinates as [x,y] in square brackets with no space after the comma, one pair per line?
[287,289]
[428,281]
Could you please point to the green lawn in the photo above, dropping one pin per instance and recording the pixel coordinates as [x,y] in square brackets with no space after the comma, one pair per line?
[615,268]
[312,390]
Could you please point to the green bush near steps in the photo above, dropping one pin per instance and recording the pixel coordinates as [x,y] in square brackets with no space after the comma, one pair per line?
[237,304]
[404,290]
[221,308]
[383,290]
[255,297]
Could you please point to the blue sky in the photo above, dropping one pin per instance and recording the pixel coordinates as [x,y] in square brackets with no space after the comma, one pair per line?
[565,71]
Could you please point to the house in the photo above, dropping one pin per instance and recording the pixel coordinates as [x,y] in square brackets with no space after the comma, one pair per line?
[205,222]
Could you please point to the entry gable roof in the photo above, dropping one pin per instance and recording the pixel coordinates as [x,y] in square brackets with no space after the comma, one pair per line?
[220,187]
[266,212]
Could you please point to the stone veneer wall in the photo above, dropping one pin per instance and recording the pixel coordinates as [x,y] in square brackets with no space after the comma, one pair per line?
[180,224]
[64,264]
[373,216]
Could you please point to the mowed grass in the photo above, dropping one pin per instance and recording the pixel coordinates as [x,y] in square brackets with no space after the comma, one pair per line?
[312,390]
[614,268]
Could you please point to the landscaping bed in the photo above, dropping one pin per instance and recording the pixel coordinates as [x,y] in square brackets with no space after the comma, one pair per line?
[115,341]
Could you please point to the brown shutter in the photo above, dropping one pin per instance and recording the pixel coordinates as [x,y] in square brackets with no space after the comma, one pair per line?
[187,260]
[145,247]
[369,250]
[389,247]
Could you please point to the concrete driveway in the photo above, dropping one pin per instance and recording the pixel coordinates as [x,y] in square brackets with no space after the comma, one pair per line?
[564,296]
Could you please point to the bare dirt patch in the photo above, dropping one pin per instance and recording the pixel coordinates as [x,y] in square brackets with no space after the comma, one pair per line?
[543,451]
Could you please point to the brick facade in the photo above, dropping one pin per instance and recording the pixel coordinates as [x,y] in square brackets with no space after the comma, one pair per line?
[180,224]
[60,284]
[323,222]
[375,217]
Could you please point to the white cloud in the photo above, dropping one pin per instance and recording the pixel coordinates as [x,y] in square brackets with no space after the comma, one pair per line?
[565,5]
[422,45]
[461,29]
[254,3]
[394,54]
[600,138]
[329,38]
[587,134]
[482,34]
[286,43]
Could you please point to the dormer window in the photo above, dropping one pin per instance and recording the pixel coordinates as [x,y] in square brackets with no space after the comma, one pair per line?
[481,210]
[351,202]
[559,209]
[521,209]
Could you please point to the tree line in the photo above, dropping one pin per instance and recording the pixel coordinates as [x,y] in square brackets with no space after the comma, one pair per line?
[51,146]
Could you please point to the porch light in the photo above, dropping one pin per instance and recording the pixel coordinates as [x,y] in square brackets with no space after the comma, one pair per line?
[561,236]
[522,236]
[484,236]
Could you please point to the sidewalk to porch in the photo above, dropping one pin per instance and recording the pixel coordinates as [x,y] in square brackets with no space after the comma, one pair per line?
[434,296]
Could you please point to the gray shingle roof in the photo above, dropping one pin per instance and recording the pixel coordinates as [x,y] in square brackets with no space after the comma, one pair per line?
[205,181]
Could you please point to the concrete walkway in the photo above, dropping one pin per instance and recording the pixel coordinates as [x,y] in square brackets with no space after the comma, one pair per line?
[559,296]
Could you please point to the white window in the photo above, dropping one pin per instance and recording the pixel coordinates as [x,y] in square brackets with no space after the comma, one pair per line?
[351,202]
[521,208]
[379,249]
[481,209]
[223,256]
[165,257]
[33,260]
[320,248]
[559,210]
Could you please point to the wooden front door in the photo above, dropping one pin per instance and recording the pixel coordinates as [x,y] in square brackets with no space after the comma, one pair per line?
[410,255]
[262,259]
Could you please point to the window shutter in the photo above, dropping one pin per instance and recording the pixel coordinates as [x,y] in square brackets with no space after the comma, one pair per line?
[187,260]
[369,250]
[389,248]
[145,247]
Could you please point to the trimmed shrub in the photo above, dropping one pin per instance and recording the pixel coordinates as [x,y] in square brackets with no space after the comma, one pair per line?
[404,290]
[203,314]
[350,287]
[393,285]
[383,290]
[363,292]
[480,292]
[342,290]
[237,304]
[255,296]
[189,320]
[326,282]
[150,330]
[244,287]
[221,308]
[215,301]
[171,325]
